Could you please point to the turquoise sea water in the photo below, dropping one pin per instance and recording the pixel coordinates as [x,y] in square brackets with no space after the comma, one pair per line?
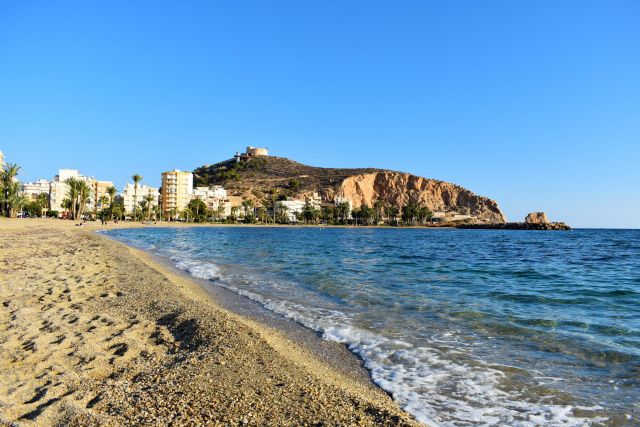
[462,327]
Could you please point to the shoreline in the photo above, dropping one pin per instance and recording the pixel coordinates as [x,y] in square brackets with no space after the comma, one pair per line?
[96,225]
[336,355]
[97,332]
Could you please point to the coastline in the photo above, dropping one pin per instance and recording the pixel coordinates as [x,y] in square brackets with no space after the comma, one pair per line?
[121,338]
[336,355]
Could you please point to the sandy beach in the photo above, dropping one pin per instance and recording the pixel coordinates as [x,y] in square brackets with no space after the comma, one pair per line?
[93,332]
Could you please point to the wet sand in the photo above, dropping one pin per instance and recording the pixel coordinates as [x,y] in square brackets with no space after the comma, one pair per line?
[93,332]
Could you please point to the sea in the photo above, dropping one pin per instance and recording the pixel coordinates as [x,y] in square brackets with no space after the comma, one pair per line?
[460,327]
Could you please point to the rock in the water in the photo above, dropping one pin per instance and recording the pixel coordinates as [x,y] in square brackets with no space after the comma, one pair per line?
[536,218]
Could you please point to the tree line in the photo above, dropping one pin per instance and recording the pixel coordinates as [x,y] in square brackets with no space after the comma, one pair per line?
[269,211]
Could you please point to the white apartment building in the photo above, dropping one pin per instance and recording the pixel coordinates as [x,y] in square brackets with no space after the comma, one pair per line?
[212,197]
[128,196]
[339,200]
[33,189]
[215,191]
[59,188]
[292,206]
[315,201]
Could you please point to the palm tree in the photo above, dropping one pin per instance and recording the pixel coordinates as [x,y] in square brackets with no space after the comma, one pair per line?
[187,213]
[111,191]
[221,210]
[425,214]
[157,211]
[72,195]
[172,213]
[66,204]
[136,179]
[79,194]
[282,215]
[116,212]
[273,196]
[16,200]
[9,188]
[392,213]
[378,211]
[409,213]
[364,213]
[343,211]
[234,213]
[43,202]
[84,196]
[328,214]
[262,213]
[246,205]
[149,199]
[103,200]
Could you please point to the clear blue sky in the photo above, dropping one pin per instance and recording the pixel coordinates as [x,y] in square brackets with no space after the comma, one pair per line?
[535,104]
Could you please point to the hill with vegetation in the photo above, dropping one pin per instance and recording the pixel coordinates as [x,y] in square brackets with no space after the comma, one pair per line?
[261,178]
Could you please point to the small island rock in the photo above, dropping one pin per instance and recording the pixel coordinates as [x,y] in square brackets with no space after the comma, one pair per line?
[536,218]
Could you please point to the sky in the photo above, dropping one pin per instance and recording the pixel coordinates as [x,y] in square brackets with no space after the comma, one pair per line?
[535,104]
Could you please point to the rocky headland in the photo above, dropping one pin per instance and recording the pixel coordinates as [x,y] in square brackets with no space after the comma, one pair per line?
[259,177]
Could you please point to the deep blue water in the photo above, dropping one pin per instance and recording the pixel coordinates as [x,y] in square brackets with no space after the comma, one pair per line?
[462,327]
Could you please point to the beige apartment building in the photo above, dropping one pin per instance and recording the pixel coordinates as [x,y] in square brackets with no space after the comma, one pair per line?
[99,189]
[177,191]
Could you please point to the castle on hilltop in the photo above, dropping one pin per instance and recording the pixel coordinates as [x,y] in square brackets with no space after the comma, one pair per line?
[251,152]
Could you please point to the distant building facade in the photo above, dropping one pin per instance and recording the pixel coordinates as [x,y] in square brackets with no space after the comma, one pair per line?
[33,189]
[292,207]
[340,200]
[129,196]
[177,191]
[215,191]
[232,202]
[99,189]
[59,188]
[213,197]
[315,201]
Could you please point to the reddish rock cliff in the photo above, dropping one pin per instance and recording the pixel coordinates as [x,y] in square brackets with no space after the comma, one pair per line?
[397,188]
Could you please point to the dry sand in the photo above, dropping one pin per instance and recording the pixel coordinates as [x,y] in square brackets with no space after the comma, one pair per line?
[96,333]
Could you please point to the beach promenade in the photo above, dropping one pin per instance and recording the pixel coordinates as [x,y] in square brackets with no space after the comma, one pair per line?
[93,332]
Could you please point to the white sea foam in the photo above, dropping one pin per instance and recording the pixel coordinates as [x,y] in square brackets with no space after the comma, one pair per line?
[199,269]
[426,382]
